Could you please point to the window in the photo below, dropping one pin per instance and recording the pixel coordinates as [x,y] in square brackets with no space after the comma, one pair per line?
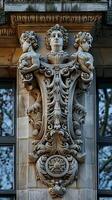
[104,136]
[7,139]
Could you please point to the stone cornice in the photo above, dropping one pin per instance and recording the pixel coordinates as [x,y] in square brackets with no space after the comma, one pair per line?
[54,6]
[20,22]
[55,18]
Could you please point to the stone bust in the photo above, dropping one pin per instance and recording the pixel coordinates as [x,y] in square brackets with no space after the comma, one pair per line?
[56,40]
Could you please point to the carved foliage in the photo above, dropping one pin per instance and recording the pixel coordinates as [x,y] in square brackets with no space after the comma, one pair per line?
[56,82]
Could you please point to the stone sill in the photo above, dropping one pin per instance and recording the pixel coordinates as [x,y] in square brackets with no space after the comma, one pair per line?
[55,7]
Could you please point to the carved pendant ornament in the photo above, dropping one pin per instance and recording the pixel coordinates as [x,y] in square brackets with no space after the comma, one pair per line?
[56,83]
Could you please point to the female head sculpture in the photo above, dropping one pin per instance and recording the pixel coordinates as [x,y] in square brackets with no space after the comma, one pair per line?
[56,38]
[83,41]
[28,41]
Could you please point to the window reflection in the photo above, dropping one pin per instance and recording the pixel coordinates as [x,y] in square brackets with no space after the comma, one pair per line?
[105,198]
[105,167]
[7,198]
[105,112]
[6,167]
[6,112]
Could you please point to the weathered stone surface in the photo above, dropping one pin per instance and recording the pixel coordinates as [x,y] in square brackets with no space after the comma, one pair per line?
[25,100]
[22,112]
[87,177]
[22,177]
[89,126]
[90,149]
[87,194]
[55,6]
[32,180]
[20,22]
[56,84]
[16,54]
[39,194]
[6,56]
[22,195]
[72,194]
[23,151]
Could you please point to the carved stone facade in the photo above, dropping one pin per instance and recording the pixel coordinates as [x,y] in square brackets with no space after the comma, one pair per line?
[56,107]
[57,82]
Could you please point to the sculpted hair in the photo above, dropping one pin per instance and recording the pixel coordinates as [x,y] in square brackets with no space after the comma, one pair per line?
[30,37]
[82,37]
[64,32]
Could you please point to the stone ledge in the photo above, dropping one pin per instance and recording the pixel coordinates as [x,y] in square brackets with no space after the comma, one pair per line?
[56,6]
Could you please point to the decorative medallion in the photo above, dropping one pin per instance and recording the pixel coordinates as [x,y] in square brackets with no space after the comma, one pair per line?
[57,166]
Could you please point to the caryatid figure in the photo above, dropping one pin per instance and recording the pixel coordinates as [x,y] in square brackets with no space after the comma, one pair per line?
[29,60]
[83,41]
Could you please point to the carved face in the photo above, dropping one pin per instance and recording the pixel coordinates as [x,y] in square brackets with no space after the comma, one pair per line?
[25,46]
[56,40]
[86,45]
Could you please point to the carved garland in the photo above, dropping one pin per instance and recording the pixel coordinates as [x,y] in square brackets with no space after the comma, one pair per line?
[56,82]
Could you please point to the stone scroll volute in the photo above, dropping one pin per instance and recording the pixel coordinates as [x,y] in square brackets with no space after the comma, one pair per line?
[56,82]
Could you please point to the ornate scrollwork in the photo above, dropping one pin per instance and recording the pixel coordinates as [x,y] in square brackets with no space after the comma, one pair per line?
[56,82]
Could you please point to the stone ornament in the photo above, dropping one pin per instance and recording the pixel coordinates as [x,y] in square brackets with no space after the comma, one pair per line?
[75,18]
[56,83]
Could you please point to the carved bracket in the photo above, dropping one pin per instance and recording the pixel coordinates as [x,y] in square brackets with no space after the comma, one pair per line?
[56,82]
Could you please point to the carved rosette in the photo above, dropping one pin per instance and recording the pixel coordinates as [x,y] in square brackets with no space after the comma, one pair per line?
[56,82]
[55,171]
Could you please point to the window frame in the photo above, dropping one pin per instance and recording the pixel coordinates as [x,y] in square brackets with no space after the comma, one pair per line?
[10,140]
[102,140]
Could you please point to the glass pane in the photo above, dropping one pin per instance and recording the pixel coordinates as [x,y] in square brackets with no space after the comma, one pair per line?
[105,198]
[6,112]
[105,112]
[7,198]
[6,167]
[105,167]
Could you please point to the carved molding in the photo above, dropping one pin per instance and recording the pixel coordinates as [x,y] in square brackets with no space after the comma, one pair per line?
[20,22]
[57,18]
[7,32]
[56,83]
